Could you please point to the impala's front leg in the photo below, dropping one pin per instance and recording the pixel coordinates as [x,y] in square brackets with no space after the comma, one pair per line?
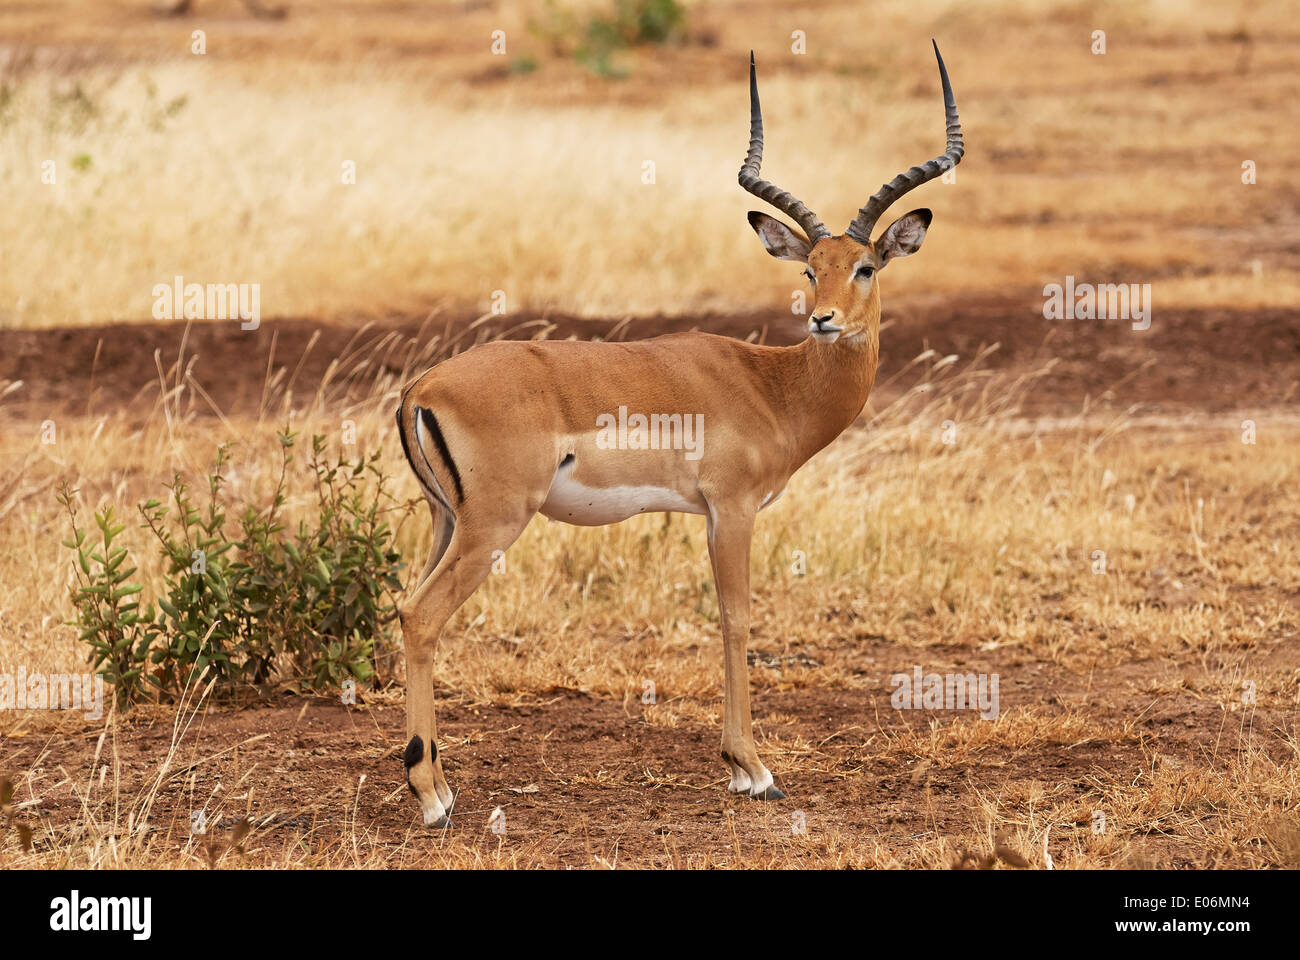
[730,532]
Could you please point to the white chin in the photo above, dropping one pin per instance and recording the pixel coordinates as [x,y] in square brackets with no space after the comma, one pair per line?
[825,337]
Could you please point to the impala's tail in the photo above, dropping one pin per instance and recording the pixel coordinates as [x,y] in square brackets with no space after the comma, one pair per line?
[416,426]
[419,430]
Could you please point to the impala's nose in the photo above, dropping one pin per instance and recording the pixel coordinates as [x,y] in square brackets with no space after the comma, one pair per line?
[824,324]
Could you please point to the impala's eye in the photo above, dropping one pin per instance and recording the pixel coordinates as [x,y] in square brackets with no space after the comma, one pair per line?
[865,271]
[809,275]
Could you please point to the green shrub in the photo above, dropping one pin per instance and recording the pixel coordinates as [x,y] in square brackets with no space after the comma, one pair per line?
[270,602]
[118,633]
[632,23]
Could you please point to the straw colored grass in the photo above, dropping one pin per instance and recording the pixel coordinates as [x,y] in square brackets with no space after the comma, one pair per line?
[985,547]
[228,167]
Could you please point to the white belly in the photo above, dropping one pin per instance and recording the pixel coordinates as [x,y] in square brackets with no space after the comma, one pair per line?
[571,502]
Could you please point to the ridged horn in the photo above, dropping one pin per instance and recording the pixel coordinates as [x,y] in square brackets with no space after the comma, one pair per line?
[764,189]
[862,225]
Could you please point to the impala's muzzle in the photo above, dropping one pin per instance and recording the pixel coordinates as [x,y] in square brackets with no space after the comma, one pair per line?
[824,329]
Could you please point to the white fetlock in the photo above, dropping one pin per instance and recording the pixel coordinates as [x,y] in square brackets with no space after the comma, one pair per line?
[435,814]
[445,796]
[758,786]
[739,781]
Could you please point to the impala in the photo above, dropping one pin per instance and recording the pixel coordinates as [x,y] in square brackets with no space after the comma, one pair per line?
[509,429]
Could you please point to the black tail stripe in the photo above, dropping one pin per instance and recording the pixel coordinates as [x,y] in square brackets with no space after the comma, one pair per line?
[431,424]
[406,451]
[401,432]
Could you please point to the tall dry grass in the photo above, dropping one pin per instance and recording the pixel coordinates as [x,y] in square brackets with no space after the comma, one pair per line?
[981,547]
[947,506]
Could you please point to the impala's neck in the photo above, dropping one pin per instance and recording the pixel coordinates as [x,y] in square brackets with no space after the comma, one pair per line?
[831,384]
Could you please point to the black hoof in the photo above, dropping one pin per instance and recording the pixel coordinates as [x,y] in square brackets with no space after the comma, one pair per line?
[771,793]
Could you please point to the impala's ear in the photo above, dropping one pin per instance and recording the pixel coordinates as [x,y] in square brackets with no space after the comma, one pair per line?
[904,236]
[778,239]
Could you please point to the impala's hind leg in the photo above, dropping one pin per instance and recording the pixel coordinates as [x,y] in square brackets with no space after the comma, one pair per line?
[464,564]
[444,523]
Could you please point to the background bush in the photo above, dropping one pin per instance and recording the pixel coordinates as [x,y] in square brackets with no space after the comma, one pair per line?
[595,41]
[257,600]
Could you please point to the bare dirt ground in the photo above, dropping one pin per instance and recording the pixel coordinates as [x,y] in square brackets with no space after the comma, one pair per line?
[1254,362]
[592,782]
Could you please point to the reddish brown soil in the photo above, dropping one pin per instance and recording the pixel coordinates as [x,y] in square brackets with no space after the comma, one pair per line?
[1211,360]
[592,761]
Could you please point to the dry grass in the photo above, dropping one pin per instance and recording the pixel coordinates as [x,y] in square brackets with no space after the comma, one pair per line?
[1120,168]
[976,552]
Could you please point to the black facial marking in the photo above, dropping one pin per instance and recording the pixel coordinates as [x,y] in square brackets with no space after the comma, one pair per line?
[414,752]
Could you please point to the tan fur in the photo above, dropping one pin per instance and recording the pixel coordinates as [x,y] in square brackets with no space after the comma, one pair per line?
[511,412]
[855,304]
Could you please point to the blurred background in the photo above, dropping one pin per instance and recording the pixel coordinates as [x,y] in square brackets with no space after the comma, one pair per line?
[503,146]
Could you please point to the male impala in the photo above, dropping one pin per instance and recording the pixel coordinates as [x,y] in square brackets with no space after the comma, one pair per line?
[508,429]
